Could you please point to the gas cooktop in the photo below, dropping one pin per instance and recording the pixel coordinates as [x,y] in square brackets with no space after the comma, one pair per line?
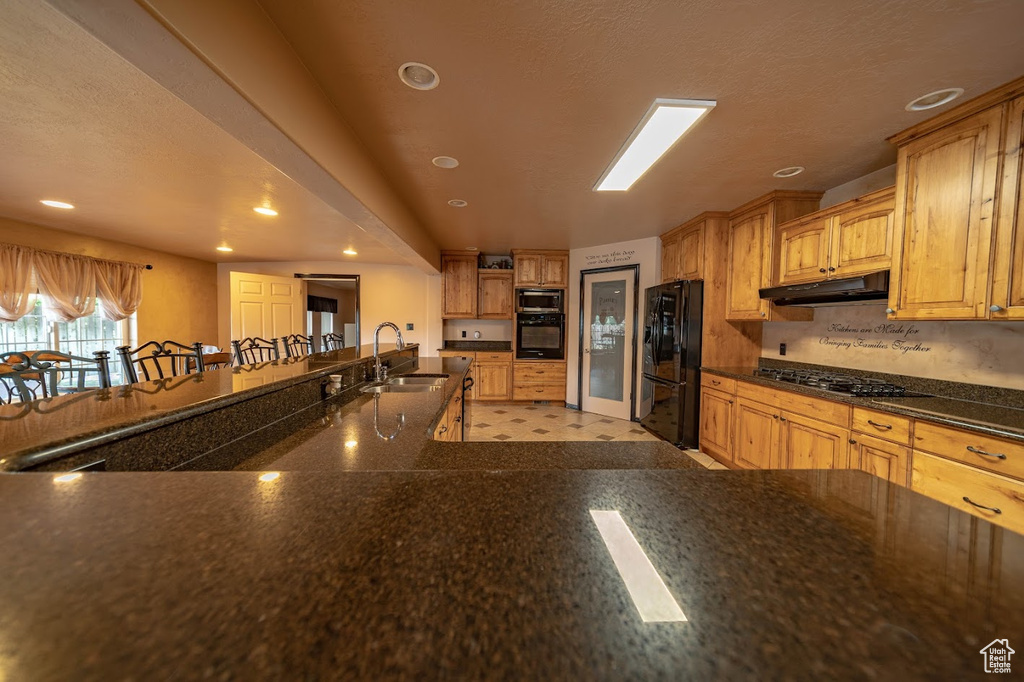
[835,383]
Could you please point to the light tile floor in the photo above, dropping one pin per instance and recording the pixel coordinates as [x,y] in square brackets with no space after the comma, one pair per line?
[490,421]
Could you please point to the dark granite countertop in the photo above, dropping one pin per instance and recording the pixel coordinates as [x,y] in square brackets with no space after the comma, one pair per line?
[101,415]
[980,417]
[494,575]
[482,346]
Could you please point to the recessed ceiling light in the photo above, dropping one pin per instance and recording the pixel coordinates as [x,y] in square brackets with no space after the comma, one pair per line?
[350,252]
[788,172]
[664,123]
[445,162]
[418,76]
[56,204]
[458,203]
[225,249]
[934,99]
[263,210]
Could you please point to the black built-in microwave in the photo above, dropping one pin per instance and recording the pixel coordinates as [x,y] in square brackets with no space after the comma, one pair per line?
[540,300]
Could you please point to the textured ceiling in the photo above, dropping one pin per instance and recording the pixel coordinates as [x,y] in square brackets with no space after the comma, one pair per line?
[80,124]
[536,97]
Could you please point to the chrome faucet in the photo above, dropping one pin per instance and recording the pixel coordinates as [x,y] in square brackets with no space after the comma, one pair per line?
[380,373]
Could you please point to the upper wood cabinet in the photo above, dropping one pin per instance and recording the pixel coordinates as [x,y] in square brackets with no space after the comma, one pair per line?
[541,269]
[945,191]
[751,240]
[1007,293]
[495,295]
[682,251]
[852,238]
[458,284]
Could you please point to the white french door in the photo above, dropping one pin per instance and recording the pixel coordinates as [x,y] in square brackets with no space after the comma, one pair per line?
[609,307]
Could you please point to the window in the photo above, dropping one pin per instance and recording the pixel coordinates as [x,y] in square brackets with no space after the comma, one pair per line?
[79,337]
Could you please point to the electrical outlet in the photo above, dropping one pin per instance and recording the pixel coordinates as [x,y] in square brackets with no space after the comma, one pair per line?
[782,349]
[408,326]
[463,333]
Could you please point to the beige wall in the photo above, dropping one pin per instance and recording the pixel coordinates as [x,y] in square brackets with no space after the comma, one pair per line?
[179,299]
[860,337]
[391,293]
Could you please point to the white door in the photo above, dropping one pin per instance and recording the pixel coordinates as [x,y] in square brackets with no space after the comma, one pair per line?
[609,304]
[266,306]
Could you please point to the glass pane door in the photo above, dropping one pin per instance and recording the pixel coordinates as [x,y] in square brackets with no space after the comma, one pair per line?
[608,349]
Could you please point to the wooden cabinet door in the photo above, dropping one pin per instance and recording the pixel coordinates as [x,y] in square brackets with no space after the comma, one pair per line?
[458,286]
[862,239]
[716,423]
[756,435]
[810,444]
[945,191]
[749,251]
[555,272]
[495,296]
[691,253]
[881,458]
[803,251]
[670,258]
[1008,272]
[527,268]
[493,381]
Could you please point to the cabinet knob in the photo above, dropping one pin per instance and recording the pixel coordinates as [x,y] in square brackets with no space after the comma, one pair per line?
[775,416]
[831,269]
[890,311]
[782,419]
[995,308]
[763,314]
[853,442]
[821,269]
[730,402]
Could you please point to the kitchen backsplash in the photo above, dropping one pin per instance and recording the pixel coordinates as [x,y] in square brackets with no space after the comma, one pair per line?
[860,337]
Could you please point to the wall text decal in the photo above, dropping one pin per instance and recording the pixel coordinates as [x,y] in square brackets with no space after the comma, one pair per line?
[878,337]
[610,258]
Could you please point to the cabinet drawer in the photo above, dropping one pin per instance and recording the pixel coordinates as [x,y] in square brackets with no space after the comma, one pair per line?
[881,425]
[951,482]
[539,373]
[522,391]
[494,357]
[968,447]
[724,384]
[797,403]
[457,354]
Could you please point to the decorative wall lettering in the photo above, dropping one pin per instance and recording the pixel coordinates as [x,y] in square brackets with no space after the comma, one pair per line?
[611,258]
[879,337]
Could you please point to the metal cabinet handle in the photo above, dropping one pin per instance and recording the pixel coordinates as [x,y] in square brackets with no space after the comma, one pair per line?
[981,506]
[881,426]
[977,451]
[540,371]
[821,270]
[831,269]
[458,419]
[782,419]
[443,429]
[763,314]
[853,442]
[775,416]
[716,383]
[995,308]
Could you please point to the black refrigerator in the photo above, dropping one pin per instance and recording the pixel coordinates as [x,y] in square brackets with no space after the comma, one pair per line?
[673,314]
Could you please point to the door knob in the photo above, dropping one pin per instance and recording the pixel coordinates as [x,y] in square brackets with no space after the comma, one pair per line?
[586,350]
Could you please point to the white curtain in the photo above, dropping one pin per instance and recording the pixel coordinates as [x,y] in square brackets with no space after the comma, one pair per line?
[120,288]
[16,281]
[69,282]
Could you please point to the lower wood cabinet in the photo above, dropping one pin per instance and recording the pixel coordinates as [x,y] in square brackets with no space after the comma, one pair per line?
[538,380]
[756,441]
[992,497]
[880,457]
[811,444]
[493,381]
[716,425]
[449,428]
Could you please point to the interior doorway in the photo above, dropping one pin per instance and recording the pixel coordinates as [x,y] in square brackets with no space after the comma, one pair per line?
[608,323]
[332,307]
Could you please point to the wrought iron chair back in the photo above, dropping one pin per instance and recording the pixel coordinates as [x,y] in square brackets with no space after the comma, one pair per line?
[35,375]
[155,360]
[334,341]
[297,345]
[252,350]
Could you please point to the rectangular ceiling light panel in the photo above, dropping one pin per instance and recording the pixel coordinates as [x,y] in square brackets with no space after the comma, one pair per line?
[648,591]
[660,128]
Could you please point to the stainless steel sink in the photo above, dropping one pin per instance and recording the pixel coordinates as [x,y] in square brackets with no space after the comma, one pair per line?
[417,381]
[402,388]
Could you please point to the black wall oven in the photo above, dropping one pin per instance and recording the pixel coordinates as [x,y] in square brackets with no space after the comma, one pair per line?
[540,336]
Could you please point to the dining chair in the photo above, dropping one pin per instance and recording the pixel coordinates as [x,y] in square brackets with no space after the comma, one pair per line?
[34,375]
[157,360]
[251,350]
[334,341]
[297,345]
